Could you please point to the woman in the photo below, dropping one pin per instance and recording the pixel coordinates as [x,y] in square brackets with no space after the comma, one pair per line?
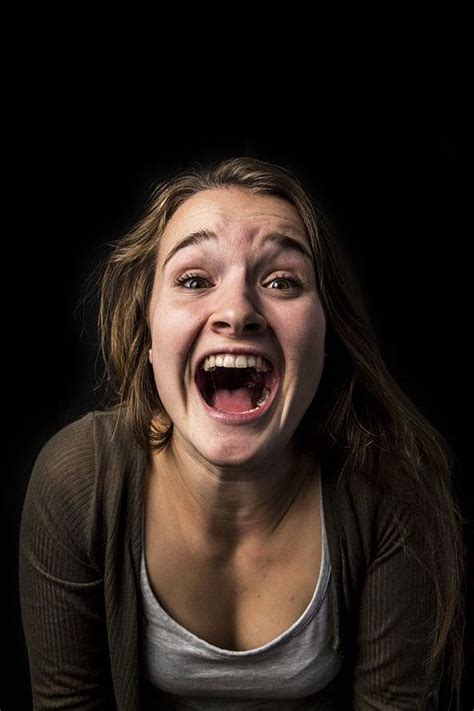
[260,518]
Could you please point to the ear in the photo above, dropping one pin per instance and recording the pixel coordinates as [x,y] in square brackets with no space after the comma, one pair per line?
[150,358]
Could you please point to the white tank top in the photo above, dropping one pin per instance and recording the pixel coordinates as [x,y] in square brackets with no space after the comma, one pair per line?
[286,674]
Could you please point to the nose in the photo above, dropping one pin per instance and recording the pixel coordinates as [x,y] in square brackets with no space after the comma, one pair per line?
[236,315]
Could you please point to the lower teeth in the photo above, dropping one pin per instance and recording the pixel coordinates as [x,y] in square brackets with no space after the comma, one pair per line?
[263,398]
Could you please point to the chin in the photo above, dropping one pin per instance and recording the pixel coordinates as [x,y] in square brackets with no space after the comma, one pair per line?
[233,454]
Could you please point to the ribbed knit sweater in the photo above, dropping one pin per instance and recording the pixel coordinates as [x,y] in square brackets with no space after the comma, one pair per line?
[79,575]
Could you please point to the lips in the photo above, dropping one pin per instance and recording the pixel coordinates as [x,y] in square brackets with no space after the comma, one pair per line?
[243,418]
[236,394]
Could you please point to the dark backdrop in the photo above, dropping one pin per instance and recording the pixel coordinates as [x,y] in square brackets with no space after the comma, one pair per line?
[388,169]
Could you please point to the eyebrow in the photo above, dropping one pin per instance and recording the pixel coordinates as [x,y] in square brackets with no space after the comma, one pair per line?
[279,238]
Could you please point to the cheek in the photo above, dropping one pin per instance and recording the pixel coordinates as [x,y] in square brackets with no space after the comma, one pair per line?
[173,329]
[304,335]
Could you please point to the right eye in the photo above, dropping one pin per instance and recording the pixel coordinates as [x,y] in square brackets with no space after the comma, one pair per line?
[192,278]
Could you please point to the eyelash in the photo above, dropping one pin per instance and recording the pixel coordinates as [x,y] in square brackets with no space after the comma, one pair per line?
[179,280]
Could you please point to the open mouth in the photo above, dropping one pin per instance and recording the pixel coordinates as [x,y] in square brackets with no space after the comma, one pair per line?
[235,390]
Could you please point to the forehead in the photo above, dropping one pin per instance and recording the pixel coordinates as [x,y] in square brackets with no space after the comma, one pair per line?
[232,211]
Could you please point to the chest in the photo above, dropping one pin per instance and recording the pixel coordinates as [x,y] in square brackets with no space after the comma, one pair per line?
[236,602]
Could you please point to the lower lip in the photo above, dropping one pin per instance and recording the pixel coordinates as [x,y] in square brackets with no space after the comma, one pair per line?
[242,418]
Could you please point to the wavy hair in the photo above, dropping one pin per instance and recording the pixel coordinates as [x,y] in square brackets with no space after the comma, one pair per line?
[359,410]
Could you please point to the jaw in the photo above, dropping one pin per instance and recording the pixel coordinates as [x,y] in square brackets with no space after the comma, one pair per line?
[231,446]
[241,440]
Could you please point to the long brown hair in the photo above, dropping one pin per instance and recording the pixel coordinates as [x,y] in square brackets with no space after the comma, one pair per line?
[359,409]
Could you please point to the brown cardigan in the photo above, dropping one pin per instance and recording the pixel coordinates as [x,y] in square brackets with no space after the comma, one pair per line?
[80,547]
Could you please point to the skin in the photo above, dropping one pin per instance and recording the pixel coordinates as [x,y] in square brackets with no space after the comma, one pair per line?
[233,484]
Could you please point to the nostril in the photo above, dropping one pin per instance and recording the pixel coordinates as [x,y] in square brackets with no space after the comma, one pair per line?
[239,320]
[249,327]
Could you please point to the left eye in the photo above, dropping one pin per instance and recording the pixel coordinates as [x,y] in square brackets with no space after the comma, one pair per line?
[290,283]
[193,281]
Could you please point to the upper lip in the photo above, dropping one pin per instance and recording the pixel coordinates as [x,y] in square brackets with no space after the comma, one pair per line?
[237,350]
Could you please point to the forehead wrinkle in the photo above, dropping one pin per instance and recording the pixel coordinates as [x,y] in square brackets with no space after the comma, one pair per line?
[276,237]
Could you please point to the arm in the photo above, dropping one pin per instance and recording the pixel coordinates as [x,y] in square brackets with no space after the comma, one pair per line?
[61,591]
[396,608]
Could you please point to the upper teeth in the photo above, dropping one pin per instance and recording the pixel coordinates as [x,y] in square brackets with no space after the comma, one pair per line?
[225,360]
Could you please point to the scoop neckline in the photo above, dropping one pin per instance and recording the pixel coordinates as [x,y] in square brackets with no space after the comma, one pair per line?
[303,620]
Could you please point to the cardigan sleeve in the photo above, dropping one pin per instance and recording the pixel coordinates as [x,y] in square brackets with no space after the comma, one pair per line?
[61,588]
[395,615]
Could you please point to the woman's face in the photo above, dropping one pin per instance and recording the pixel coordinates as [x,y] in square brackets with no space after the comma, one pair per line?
[247,283]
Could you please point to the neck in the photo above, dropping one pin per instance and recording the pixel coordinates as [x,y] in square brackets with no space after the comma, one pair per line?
[232,505]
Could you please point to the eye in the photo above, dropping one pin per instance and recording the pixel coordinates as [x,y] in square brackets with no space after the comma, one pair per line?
[281,282]
[290,282]
[192,278]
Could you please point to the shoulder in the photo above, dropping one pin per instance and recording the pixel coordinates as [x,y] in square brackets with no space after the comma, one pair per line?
[66,457]
[74,455]
[376,496]
[369,513]
[81,475]
[69,456]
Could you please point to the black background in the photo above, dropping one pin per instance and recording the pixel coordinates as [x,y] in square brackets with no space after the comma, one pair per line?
[385,155]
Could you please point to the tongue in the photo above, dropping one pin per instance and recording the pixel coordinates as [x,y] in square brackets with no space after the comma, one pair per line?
[237,400]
